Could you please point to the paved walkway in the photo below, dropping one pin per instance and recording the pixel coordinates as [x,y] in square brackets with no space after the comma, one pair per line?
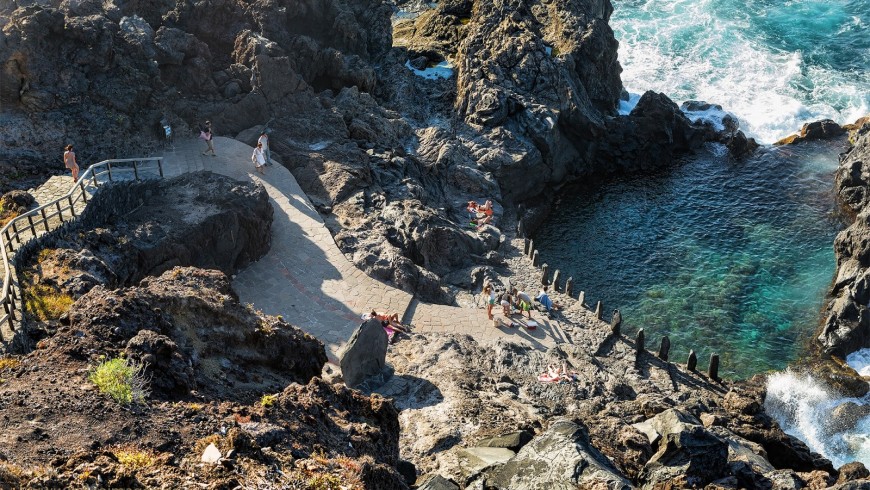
[308,281]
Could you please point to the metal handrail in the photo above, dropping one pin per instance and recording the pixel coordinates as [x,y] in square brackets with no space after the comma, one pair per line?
[91,177]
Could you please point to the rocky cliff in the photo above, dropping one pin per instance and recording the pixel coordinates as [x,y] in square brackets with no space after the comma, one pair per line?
[847,324]
[221,395]
[387,156]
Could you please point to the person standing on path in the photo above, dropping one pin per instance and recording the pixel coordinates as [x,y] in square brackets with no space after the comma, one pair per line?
[69,160]
[489,294]
[264,140]
[258,159]
[209,139]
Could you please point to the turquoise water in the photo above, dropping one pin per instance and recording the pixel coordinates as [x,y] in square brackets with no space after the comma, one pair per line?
[721,256]
[774,64]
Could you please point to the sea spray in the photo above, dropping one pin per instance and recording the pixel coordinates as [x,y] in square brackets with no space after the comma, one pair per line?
[860,361]
[775,65]
[803,408]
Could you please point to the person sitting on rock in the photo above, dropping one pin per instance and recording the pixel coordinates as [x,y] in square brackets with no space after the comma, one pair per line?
[545,300]
[484,214]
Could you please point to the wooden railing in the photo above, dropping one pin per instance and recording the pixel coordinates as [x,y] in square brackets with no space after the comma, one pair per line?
[45,218]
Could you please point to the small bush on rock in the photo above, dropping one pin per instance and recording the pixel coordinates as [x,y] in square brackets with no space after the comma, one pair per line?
[268,400]
[121,379]
[9,363]
[46,303]
[135,458]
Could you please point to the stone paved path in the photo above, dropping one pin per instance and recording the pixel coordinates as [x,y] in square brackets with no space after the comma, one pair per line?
[308,281]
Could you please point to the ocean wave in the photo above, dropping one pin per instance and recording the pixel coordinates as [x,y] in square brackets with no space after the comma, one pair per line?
[803,407]
[749,58]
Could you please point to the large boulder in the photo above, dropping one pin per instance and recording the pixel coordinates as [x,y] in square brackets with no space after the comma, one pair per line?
[131,230]
[688,454]
[364,354]
[560,457]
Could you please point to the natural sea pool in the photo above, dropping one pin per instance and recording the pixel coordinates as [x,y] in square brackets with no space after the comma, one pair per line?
[732,257]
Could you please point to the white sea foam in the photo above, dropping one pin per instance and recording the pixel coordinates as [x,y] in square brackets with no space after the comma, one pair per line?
[803,406]
[441,70]
[626,106]
[713,116]
[860,361]
[691,49]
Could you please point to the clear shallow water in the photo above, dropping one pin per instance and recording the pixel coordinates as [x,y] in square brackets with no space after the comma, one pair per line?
[775,64]
[726,257]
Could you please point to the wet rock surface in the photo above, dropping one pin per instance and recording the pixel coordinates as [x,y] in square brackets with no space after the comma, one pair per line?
[847,324]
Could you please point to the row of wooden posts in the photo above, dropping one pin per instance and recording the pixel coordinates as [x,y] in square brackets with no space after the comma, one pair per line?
[616,321]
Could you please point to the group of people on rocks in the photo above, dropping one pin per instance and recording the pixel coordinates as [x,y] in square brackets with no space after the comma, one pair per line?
[481,214]
[516,300]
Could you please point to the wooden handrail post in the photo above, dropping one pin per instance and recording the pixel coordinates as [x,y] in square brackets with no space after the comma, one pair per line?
[135,171]
[15,230]
[160,166]
[84,192]
[44,219]
[72,208]
[109,168]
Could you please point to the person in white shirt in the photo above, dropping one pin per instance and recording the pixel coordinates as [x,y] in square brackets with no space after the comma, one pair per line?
[264,140]
[258,158]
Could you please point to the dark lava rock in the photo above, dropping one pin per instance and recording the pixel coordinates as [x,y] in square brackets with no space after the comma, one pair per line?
[853,471]
[186,318]
[131,230]
[847,326]
[560,457]
[513,441]
[364,354]
[16,202]
[438,482]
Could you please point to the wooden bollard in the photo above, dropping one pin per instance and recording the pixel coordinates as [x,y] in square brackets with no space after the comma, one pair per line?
[521,210]
[535,259]
[639,342]
[598,310]
[582,298]
[531,248]
[692,363]
[713,370]
[556,280]
[526,243]
[521,230]
[569,286]
[665,348]
[545,271]
[616,322]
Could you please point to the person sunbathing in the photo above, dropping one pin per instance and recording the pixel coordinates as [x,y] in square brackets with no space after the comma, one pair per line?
[388,320]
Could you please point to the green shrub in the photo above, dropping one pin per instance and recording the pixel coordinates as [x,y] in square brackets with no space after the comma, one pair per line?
[46,303]
[268,400]
[121,379]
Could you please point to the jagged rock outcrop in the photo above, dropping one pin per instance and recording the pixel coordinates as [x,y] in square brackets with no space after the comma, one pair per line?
[389,158]
[847,326]
[133,230]
[560,457]
[455,394]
